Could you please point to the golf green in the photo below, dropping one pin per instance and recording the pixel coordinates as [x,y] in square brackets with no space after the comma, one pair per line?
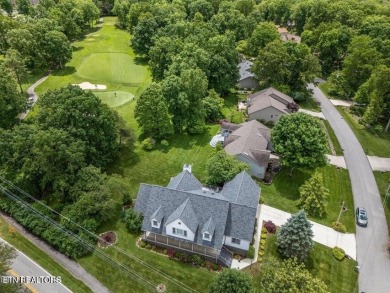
[113,67]
[114,98]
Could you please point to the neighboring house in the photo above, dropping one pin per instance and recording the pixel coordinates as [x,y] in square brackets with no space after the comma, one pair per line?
[249,142]
[268,105]
[247,78]
[286,36]
[189,217]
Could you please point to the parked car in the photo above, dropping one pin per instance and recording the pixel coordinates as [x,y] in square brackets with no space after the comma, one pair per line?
[361,217]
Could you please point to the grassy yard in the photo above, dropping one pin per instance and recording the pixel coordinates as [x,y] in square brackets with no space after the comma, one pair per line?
[340,277]
[325,88]
[310,104]
[383,181]
[103,57]
[40,257]
[373,142]
[230,110]
[335,142]
[283,193]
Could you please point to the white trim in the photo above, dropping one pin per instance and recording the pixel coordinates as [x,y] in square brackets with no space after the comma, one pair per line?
[153,224]
[207,238]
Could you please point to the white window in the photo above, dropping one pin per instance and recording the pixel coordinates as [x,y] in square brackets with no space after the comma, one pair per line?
[179,232]
[206,236]
[236,241]
[155,224]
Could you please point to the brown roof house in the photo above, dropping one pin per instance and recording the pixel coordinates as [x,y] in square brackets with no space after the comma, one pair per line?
[249,142]
[268,105]
[286,36]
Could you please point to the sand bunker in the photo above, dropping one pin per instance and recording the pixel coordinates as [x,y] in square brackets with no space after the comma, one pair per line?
[90,86]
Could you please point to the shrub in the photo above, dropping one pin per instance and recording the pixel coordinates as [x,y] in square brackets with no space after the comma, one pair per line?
[259,259]
[270,226]
[338,253]
[197,260]
[133,220]
[148,246]
[263,230]
[262,246]
[154,247]
[339,227]
[215,267]
[164,143]
[148,144]
[171,252]
[262,241]
[184,257]
[165,251]
[378,128]
[261,253]
[261,200]
[263,236]
[142,244]
[126,199]
[251,252]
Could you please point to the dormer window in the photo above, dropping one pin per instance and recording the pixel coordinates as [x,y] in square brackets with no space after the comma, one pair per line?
[206,236]
[155,223]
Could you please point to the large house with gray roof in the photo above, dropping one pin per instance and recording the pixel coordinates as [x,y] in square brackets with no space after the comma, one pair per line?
[247,79]
[249,142]
[189,217]
[268,105]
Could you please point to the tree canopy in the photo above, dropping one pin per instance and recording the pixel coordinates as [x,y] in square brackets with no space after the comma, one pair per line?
[300,140]
[231,281]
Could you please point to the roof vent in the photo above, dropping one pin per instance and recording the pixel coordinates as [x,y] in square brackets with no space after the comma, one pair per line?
[187,168]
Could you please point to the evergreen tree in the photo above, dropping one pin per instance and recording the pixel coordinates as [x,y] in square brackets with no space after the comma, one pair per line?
[294,238]
[313,196]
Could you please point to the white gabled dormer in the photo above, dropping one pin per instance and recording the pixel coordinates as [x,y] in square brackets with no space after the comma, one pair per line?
[182,223]
[156,218]
[208,230]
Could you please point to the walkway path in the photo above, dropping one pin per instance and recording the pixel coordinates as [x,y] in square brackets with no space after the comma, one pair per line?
[32,94]
[312,113]
[372,242]
[24,266]
[71,266]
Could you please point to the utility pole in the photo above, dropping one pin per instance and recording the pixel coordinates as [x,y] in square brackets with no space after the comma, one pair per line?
[342,209]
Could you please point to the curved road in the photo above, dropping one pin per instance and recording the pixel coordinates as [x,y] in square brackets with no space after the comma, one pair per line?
[373,243]
[32,94]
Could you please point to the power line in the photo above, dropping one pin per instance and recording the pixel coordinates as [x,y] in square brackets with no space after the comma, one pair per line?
[85,244]
[166,276]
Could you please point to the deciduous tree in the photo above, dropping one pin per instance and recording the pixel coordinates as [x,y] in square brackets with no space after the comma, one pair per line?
[294,239]
[231,281]
[264,33]
[15,63]
[300,140]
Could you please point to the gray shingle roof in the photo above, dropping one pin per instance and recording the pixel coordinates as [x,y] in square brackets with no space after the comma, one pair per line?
[244,68]
[186,214]
[158,215]
[184,181]
[201,210]
[209,227]
[251,139]
[268,97]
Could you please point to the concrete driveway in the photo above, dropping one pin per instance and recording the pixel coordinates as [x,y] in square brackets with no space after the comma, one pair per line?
[312,113]
[322,234]
[376,163]
[372,242]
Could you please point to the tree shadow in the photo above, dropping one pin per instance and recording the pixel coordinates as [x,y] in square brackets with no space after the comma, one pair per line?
[288,186]
[75,49]
[67,70]
[125,158]
[141,60]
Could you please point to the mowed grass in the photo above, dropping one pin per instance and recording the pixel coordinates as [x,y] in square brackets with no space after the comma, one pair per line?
[115,98]
[332,136]
[374,143]
[383,182]
[104,56]
[283,194]
[39,256]
[340,277]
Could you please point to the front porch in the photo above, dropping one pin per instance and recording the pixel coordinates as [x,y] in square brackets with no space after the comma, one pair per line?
[209,253]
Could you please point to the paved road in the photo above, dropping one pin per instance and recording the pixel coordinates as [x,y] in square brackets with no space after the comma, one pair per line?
[24,266]
[71,266]
[32,94]
[372,242]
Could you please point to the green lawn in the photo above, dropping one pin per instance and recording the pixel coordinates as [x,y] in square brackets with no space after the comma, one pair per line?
[374,143]
[283,193]
[310,104]
[325,87]
[340,277]
[230,110]
[335,142]
[102,57]
[383,181]
[40,257]
[115,98]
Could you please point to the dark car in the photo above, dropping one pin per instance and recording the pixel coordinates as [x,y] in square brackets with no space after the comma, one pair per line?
[361,217]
